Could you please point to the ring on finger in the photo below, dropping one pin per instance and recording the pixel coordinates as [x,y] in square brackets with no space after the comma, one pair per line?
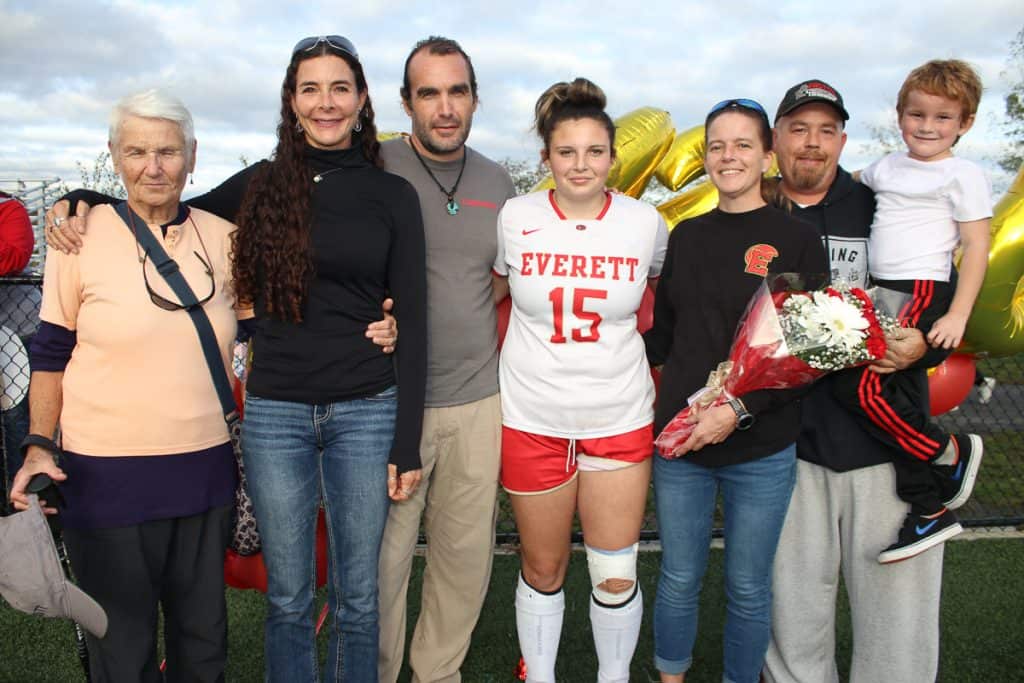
[57,221]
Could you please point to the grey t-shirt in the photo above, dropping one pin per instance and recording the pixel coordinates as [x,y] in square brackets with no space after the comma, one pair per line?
[462,337]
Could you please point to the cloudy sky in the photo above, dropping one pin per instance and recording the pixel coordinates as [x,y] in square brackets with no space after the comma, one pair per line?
[65,64]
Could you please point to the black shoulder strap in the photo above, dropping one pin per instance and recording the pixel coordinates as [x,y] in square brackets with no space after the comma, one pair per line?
[168,268]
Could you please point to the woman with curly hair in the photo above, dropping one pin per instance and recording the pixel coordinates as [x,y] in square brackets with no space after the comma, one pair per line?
[324,235]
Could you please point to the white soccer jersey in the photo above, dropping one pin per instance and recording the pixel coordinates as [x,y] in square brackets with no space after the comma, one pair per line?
[573,364]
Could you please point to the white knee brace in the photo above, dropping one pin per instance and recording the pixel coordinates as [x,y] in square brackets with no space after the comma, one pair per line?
[611,564]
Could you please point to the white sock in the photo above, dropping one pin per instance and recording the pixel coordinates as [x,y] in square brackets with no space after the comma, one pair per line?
[539,625]
[616,630]
[949,456]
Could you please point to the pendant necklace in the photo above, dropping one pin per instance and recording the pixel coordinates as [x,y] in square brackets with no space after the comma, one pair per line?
[452,206]
[320,176]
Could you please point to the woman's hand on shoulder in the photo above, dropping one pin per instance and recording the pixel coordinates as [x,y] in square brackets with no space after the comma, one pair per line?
[402,486]
[64,232]
[714,425]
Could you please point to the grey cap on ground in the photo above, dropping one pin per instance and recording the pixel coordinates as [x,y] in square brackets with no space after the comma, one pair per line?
[31,578]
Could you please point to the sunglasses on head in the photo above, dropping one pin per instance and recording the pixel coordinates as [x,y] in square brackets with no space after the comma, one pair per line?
[337,42]
[741,103]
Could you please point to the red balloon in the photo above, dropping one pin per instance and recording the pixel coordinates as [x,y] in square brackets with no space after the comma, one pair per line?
[950,382]
[645,314]
[250,572]
[245,571]
[239,391]
[504,311]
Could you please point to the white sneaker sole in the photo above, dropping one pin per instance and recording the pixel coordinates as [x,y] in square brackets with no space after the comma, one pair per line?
[915,549]
[970,473]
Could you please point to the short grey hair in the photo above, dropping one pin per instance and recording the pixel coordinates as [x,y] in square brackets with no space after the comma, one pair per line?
[153,104]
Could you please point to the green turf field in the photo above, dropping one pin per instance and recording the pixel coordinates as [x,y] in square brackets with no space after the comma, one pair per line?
[982,636]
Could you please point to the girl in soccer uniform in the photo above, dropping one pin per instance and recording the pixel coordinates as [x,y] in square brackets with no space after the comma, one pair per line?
[577,395]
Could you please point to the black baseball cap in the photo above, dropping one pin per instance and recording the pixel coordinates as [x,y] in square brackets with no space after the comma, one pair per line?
[811,91]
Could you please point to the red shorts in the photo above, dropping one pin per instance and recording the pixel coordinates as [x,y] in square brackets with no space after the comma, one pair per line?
[533,463]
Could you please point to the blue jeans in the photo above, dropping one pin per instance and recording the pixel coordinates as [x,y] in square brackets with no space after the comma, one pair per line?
[755,497]
[295,455]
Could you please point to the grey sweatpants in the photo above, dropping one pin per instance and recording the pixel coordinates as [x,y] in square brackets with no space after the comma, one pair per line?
[839,522]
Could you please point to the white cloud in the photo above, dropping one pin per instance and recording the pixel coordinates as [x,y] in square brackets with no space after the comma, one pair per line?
[66,64]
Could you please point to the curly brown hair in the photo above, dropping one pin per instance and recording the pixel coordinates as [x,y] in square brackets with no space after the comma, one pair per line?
[271,250]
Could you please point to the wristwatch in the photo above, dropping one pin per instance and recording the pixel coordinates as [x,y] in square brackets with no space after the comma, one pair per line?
[744,420]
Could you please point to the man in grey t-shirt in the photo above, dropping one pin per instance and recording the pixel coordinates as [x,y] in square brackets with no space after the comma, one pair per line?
[460,194]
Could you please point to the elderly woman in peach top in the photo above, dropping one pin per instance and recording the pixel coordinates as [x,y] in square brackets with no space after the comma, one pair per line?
[145,464]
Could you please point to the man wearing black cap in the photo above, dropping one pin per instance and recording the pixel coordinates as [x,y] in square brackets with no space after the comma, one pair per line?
[844,508]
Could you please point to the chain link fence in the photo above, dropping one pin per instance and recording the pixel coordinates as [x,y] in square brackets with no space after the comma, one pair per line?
[998,417]
[994,411]
[19,318]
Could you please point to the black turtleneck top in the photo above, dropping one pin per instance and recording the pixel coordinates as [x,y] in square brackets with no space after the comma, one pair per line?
[367,241]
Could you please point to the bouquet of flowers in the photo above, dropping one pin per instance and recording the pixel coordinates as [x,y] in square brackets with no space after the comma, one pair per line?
[791,334]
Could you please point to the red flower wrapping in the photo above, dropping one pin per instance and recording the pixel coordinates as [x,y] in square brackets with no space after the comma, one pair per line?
[762,357]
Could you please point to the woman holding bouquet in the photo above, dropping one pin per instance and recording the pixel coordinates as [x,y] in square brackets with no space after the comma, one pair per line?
[576,392]
[745,447]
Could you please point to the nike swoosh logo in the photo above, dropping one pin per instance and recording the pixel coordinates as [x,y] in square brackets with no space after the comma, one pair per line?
[922,530]
[530,232]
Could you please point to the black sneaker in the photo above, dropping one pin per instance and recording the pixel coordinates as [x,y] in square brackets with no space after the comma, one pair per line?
[956,482]
[920,533]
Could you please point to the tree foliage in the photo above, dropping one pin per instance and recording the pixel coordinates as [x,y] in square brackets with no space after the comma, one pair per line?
[101,177]
[1013,125]
[885,139]
[525,175]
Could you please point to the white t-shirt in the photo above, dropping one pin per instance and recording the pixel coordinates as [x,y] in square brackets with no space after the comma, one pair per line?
[573,364]
[919,205]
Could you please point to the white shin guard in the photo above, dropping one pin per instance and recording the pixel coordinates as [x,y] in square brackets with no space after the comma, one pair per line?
[539,625]
[616,631]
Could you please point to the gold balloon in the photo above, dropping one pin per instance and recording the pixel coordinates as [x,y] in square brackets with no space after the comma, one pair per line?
[645,147]
[546,183]
[684,161]
[694,202]
[996,325]
[702,197]
[641,139]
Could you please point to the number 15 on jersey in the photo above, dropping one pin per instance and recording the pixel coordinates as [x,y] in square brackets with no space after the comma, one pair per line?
[586,333]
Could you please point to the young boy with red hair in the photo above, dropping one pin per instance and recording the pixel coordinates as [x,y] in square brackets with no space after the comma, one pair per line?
[928,203]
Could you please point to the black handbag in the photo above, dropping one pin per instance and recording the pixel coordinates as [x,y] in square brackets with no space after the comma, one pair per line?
[245,537]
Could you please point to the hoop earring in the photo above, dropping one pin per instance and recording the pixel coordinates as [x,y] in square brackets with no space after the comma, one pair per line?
[359,121]
[298,127]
